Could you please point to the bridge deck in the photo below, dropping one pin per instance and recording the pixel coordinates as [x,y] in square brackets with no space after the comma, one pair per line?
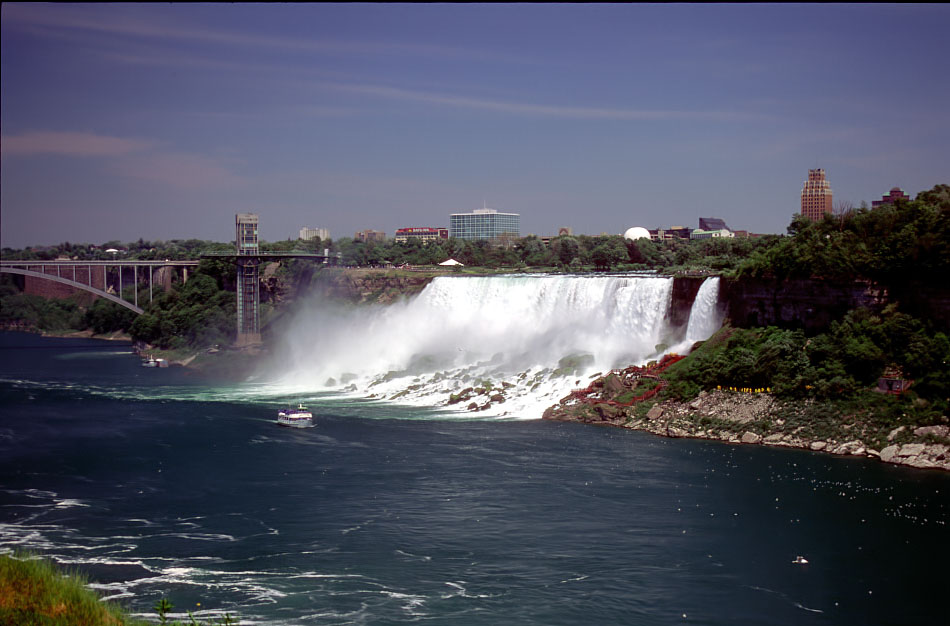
[100,263]
[270,255]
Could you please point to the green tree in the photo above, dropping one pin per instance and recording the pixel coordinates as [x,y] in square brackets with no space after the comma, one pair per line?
[105,316]
[146,327]
[532,251]
[567,249]
[644,252]
[196,314]
[609,253]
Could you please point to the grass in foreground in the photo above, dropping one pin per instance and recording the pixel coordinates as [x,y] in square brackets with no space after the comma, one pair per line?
[33,592]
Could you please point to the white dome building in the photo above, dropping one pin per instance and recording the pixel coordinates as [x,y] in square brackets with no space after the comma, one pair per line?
[636,232]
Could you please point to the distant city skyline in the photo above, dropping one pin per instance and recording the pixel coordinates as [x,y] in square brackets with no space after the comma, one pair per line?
[128,121]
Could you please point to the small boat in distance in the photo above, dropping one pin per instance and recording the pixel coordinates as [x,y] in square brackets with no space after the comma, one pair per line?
[151,361]
[800,560]
[296,418]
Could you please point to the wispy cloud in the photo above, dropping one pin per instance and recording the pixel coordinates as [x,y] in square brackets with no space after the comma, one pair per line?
[70,144]
[156,57]
[50,19]
[547,110]
[66,23]
[132,158]
[324,79]
[179,170]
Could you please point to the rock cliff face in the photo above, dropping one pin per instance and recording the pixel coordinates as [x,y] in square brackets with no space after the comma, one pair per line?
[926,301]
[684,293]
[808,304]
[812,304]
[372,286]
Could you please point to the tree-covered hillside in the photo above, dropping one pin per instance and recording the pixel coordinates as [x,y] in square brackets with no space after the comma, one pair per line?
[890,245]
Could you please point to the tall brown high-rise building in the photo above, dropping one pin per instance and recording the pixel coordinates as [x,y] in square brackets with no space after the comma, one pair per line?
[816,195]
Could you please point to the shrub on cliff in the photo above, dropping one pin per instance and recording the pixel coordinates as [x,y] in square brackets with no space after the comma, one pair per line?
[748,358]
[34,311]
[105,316]
[842,363]
[198,314]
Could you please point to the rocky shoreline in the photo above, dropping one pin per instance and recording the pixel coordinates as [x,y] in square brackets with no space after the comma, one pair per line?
[755,419]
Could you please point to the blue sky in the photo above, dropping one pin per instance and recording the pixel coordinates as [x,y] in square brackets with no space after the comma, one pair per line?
[163,121]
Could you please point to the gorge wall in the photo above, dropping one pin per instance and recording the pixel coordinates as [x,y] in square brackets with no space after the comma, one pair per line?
[808,304]
[370,286]
[684,293]
[812,304]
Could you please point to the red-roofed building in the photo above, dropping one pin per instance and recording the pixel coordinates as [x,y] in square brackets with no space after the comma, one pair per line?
[896,194]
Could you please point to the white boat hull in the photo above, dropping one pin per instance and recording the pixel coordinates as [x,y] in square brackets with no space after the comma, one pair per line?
[295,422]
[295,418]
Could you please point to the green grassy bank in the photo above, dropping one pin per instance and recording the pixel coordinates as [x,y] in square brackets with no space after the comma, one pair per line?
[34,592]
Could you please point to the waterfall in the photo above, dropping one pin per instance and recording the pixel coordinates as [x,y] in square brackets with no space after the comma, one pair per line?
[536,337]
[704,317]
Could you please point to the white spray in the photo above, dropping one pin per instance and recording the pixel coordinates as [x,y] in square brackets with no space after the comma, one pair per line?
[704,316]
[530,338]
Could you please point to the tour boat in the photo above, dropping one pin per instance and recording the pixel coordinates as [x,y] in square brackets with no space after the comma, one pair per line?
[297,418]
[800,560]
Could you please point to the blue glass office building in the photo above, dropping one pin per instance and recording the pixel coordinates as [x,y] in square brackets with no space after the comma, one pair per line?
[484,224]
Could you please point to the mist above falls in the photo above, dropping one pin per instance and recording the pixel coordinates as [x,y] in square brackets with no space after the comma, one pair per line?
[533,338]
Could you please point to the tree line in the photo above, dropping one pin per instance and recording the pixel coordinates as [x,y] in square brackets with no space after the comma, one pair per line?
[564,253]
[888,245]
[906,243]
[884,245]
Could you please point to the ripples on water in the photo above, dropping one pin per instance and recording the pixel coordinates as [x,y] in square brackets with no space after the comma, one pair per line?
[157,485]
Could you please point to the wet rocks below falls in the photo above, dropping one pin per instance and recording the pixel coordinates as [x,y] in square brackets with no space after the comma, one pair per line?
[479,398]
[759,419]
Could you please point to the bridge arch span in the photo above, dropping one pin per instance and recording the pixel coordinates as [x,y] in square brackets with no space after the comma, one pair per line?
[71,283]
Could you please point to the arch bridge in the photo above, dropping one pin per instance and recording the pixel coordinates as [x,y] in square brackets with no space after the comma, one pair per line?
[103,278]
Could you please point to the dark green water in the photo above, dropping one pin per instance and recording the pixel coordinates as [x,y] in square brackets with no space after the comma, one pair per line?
[160,484]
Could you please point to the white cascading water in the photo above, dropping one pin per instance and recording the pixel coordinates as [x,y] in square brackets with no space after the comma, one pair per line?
[536,336]
[704,316]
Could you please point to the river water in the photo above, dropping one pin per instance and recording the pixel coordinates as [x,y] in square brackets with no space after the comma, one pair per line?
[158,483]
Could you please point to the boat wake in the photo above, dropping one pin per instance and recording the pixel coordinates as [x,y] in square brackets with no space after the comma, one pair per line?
[784,597]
